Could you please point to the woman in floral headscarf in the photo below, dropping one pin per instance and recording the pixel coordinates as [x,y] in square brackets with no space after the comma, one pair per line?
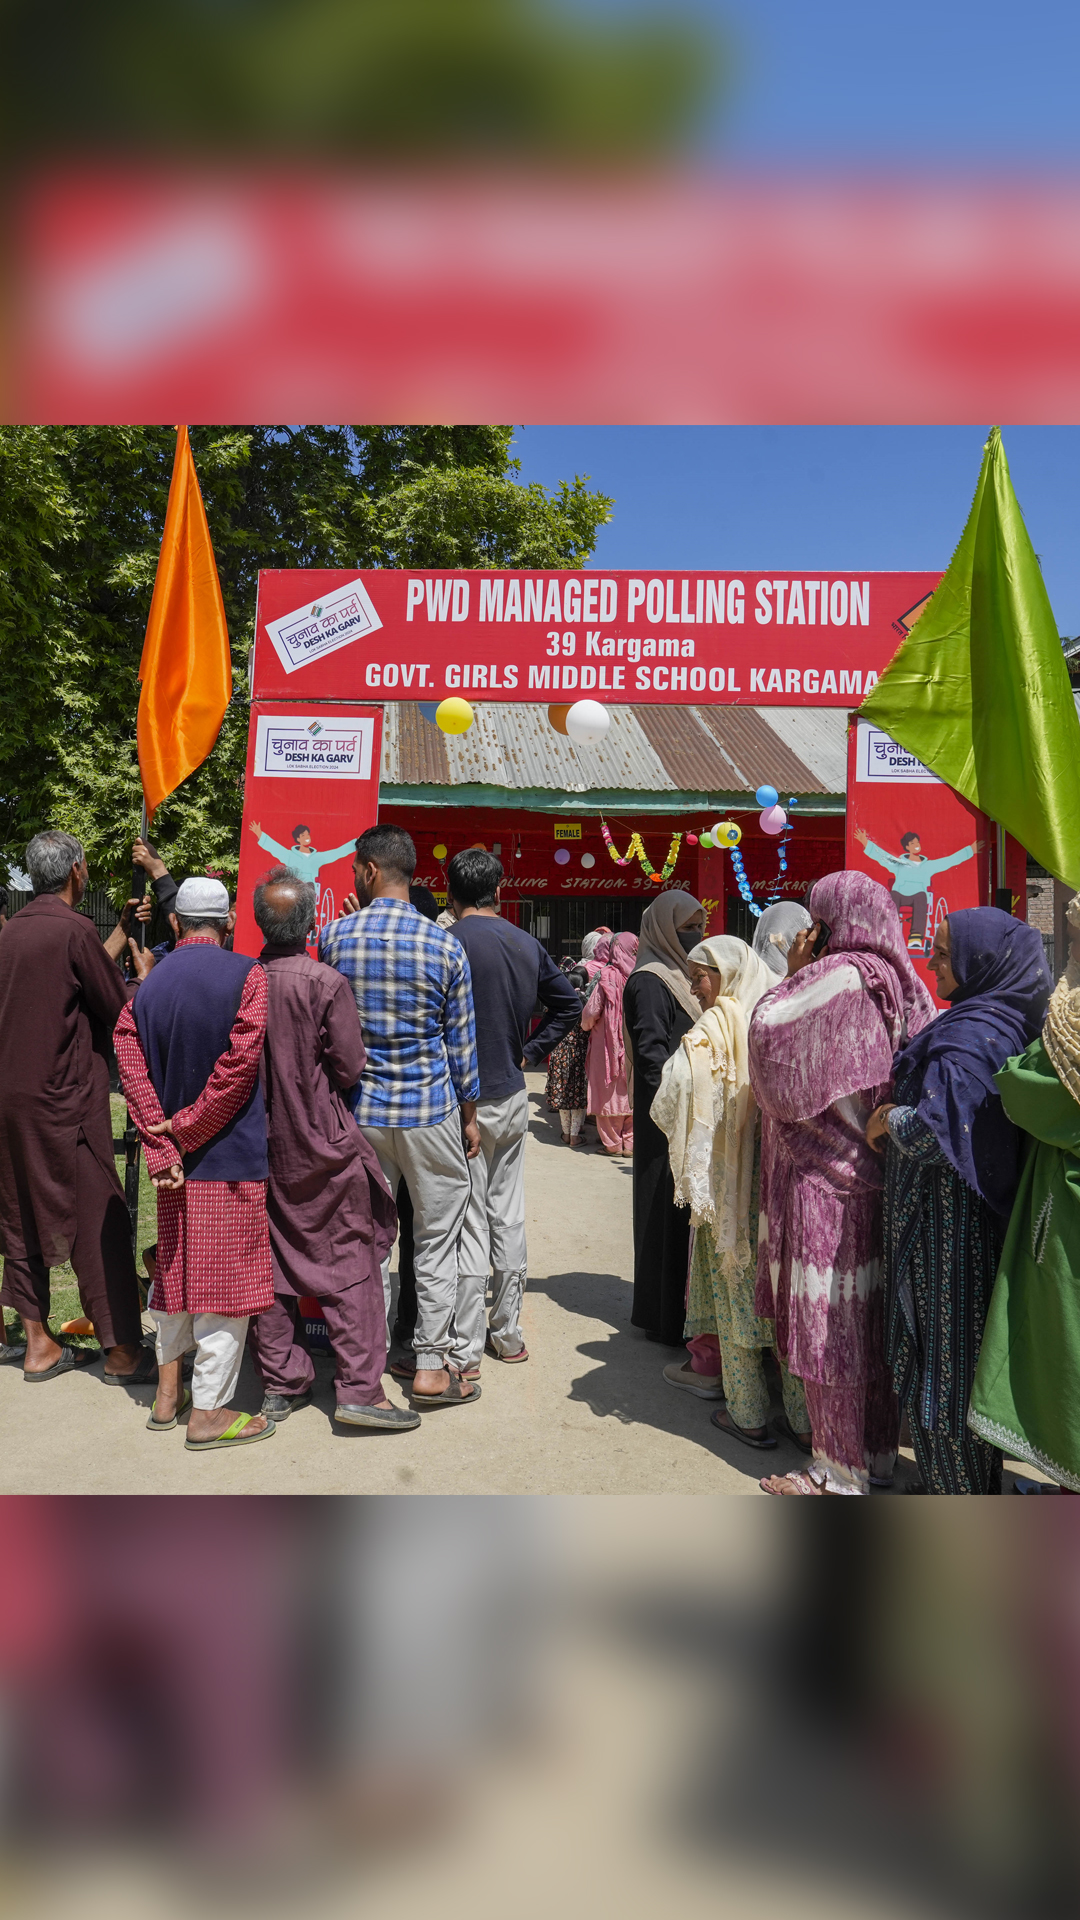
[821,1059]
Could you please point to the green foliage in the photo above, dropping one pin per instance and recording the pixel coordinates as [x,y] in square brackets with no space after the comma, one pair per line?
[471,79]
[80,527]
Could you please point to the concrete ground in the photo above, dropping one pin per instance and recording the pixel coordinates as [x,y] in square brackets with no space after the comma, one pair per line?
[589,1412]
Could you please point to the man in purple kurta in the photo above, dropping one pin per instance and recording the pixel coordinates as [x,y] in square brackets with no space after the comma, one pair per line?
[332,1220]
[60,1199]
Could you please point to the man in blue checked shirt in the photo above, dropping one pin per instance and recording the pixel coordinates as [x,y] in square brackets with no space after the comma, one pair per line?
[417,1099]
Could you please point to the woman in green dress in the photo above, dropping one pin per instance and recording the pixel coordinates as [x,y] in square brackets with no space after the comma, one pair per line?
[1026,1397]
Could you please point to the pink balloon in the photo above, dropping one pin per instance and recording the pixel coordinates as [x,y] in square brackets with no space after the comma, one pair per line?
[772,820]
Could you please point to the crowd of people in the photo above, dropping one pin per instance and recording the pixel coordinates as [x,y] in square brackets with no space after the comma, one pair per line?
[841,1194]
[286,1106]
[875,1190]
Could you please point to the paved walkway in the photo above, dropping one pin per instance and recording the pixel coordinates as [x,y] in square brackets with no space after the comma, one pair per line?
[590,1411]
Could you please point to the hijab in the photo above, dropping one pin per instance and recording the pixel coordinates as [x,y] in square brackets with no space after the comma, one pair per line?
[590,943]
[616,963]
[705,1105]
[948,1070]
[832,1029]
[775,932]
[865,931]
[1061,1035]
[659,950]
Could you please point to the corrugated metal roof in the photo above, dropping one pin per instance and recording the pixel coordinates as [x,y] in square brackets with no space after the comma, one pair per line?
[660,749]
[692,755]
[819,736]
[758,752]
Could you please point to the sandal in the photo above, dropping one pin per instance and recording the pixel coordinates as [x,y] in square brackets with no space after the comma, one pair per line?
[233,1436]
[799,1483]
[144,1370]
[510,1359]
[452,1395]
[763,1442]
[787,1432]
[70,1359]
[165,1426]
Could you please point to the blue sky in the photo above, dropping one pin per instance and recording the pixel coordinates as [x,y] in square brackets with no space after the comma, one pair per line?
[813,497]
[965,82]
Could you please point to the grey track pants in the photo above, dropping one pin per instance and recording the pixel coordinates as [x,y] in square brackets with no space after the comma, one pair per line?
[494,1231]
[432,1162]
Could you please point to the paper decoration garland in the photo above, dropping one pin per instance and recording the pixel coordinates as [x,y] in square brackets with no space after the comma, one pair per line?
[636,849]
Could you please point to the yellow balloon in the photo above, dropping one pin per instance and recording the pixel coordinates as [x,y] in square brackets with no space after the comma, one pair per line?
[454,715]
[439,851]
[726,833]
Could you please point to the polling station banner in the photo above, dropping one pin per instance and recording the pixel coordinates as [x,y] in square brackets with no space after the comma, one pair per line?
[782,638]
[312,786]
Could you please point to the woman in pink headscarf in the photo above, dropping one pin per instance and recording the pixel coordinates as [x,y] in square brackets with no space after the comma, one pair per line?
[602,1020]
[821,1059]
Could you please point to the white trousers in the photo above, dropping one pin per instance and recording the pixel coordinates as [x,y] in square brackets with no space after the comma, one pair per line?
[219,1349]
[494,1231]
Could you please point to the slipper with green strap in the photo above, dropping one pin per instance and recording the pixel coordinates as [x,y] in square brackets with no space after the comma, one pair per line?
[166,1426]
[233,1436]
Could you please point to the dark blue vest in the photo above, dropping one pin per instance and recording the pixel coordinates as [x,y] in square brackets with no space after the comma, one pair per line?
[184,1012]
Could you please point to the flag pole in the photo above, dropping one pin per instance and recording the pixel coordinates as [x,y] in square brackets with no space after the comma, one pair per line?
[132,1150]
[1003,893]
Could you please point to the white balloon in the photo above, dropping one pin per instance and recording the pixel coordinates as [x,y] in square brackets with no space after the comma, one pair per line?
[587,722]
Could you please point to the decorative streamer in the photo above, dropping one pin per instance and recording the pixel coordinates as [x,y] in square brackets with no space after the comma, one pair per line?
[636,851]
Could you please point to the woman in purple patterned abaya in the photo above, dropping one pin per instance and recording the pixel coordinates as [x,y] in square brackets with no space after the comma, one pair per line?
[821,1054]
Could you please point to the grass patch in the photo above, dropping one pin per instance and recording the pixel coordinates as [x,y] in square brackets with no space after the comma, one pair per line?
[64,1292]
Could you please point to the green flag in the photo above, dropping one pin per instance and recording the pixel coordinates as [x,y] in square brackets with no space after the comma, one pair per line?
[979,690]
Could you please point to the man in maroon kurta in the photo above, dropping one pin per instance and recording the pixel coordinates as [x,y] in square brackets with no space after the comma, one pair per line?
[332,1220]
[60,1198]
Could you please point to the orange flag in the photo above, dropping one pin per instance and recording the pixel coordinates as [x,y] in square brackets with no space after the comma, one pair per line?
[186,669]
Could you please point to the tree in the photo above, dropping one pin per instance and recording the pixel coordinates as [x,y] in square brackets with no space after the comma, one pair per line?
[83,509]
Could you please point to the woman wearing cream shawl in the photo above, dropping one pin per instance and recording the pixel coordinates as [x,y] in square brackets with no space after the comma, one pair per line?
[707,1109]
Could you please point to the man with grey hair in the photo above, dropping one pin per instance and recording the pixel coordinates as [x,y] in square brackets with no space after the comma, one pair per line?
[332,1219]
[60,1198]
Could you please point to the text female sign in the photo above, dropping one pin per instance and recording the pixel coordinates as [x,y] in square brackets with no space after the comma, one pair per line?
[312,786]
[783,638]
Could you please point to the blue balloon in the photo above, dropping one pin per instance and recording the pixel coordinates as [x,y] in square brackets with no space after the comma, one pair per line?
[766,797]
[428,708]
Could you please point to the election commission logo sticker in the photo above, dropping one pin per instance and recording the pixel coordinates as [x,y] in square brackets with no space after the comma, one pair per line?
[323,626]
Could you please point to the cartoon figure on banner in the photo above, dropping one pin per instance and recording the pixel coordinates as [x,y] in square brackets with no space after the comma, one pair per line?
[912,873]
[305,861]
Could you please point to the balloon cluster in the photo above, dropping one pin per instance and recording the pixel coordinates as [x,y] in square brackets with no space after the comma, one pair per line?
[726,834]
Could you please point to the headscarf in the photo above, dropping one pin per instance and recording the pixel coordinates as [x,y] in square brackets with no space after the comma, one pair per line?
[705,1105]
[846,1037]
[659,951]
[1061,1035]
[948,1069]
[605,999]
[590,943]
[775,932]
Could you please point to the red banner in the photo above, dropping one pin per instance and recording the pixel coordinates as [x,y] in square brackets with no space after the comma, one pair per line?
[312,786]
[916,836]
[757,639]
